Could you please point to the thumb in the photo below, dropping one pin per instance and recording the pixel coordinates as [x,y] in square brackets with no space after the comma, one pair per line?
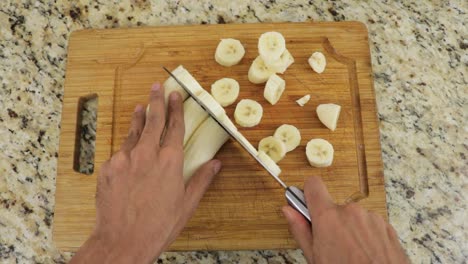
[317,197]
[198,184]
[301,230]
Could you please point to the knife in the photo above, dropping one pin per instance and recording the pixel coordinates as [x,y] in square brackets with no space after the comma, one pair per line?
[294,195]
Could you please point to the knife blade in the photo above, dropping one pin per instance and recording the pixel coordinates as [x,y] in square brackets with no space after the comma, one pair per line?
[294,195]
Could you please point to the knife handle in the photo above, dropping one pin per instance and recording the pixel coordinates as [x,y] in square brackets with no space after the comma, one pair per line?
[296,199]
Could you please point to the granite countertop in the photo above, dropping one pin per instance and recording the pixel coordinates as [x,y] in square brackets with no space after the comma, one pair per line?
[419,57]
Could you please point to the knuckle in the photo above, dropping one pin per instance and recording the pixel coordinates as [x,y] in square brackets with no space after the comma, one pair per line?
[353,208]
[120,160]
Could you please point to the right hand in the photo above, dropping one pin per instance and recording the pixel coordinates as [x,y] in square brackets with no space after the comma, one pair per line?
[342,233]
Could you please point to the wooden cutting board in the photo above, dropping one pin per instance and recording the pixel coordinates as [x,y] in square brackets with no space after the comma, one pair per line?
[241,210]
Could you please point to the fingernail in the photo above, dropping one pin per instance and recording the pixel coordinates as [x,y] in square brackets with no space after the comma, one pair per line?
[216,166]
[156,87]
[174,96]
[138,108]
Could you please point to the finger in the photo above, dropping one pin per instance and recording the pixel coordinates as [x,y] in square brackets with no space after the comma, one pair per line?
[317,197]
[155,118]
[175,127]
[136,127]
[198,185]
[301,231]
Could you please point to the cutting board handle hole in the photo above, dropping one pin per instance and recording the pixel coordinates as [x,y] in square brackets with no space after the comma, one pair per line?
[85,137]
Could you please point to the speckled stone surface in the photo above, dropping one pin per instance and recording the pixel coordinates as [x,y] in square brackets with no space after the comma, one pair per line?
[420,62]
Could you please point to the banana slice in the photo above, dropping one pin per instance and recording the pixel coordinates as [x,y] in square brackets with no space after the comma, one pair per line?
[248,113]
[319,152]
[211,103]
[274,168]
[329,114]
[290,136]
[280,66]
[247,143]
[194,115]
[229,52]
[186,78]
[259,72]
[270,46]
[303,100]
[318,62]
[227,122]
[274,88]
[273,147]
[225,91]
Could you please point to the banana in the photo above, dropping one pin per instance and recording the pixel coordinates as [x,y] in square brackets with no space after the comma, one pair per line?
[270,46]
[268,162]
[194,115]
[248,113]
[211,103]
[274,88]
[247,143]
[319,152]
[259,72]
[171,85]
[227,122]
[202,146]
[290,136]
[283,63]
[225,91]
[273,147]
[318,62]
[186,78]
[229,52]
[303,100]
[329,114]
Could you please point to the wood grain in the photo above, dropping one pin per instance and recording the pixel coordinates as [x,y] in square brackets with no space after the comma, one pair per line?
[241,210]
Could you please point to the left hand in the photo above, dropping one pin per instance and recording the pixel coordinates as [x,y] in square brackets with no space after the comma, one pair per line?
[142,203]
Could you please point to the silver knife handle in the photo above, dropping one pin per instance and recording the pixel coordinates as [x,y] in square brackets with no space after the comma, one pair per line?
[296,199]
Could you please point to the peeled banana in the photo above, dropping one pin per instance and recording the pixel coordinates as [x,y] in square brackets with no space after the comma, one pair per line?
[319,152]
[283,63]
[203,146]
[274,168]
[274,88]
[229,52]
[329,114]
[211,103]
[225,91]
[273,147]
[248,113]
[194,115]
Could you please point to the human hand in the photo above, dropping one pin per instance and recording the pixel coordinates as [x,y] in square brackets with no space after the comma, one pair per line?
[342,233]
[142,203]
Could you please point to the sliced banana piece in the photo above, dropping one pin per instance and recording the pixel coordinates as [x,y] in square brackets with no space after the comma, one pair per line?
[227,122]
[229,52]
[247,143]
[329,114]
[303,100]
[194,115]
[319,152]
[290,136]
[203,146]
[274,88]
[186,78]
[318,62]
[211,103]
[273,147]
[274,168]
[283,63]
[248,113]
[225,91]
[270,46]
[259,72]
